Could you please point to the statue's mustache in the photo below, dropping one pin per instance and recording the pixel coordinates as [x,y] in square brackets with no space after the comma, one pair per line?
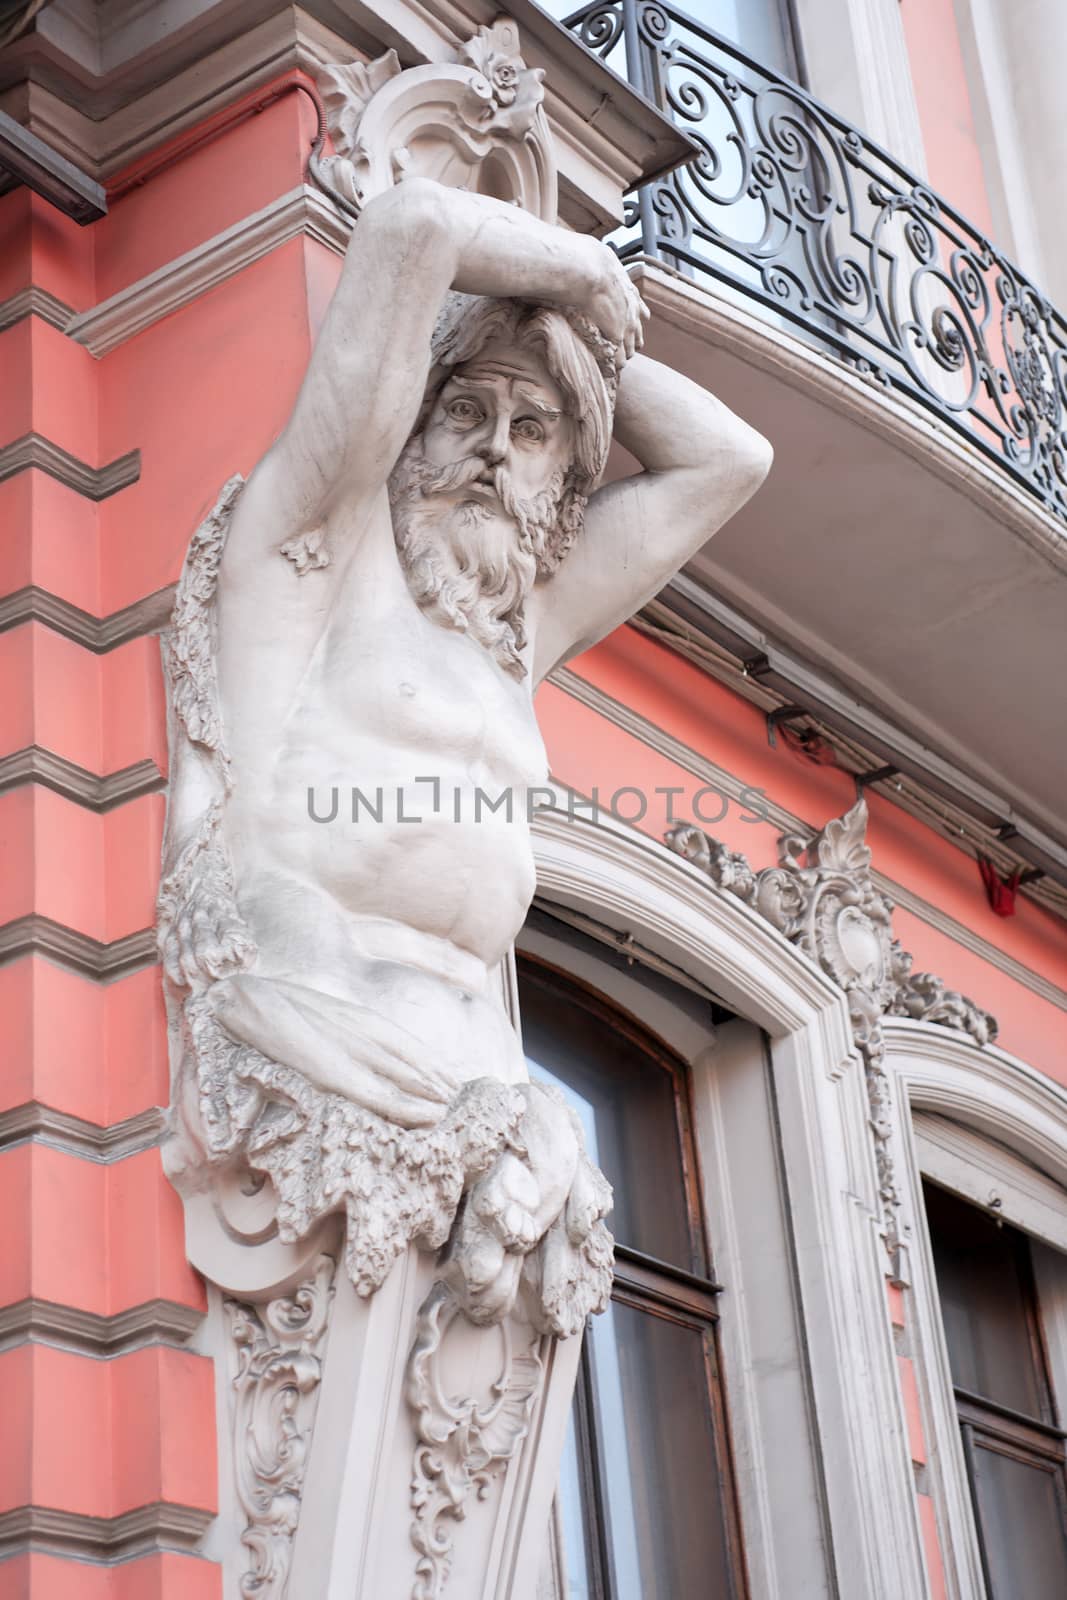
[428,479]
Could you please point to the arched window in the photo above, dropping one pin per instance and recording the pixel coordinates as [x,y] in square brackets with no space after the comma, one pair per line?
[647,1505]
[1013,1442]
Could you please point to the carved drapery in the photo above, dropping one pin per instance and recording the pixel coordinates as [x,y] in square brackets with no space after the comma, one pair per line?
[280,1348]
[822,898]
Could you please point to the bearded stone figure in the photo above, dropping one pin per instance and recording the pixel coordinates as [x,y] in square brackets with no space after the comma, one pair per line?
[372,612]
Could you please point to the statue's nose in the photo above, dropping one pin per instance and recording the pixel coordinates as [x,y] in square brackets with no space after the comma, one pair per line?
[495,445]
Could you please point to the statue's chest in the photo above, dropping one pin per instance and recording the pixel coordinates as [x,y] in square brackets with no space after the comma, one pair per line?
[387,675]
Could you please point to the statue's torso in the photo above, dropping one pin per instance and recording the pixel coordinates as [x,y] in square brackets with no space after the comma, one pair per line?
[356,689]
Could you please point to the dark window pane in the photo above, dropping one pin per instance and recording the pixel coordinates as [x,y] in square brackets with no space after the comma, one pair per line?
[660,1475]
[626,1101]
[983,1282]
[1022,1527]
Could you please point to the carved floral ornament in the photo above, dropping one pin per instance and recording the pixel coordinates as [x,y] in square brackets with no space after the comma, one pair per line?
[463,1442]
[822,898]
[475,123]
[280,1349]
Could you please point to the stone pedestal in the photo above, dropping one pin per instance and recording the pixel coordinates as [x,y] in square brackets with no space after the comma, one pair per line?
[387,1446]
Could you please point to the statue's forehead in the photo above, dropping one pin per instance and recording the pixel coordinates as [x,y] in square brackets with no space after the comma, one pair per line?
[500,364]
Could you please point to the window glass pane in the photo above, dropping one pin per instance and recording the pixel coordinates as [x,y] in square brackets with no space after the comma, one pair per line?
[1022,1527]
[661,1480]
[760,27]
[572,1519]
[982,1282]
[626,1101]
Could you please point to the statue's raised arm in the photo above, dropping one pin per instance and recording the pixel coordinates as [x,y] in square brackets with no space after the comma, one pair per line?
[367,379]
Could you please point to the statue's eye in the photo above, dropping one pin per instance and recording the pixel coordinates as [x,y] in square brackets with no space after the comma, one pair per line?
[528,428]
[465,412]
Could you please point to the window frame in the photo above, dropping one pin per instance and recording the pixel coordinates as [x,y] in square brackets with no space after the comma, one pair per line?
[1000,1135]
[809,1363]
[646,1283]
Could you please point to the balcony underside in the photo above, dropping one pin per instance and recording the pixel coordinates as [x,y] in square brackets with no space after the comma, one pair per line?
[898,562]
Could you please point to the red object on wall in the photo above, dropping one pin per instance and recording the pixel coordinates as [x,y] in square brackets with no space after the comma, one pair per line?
[1000,892]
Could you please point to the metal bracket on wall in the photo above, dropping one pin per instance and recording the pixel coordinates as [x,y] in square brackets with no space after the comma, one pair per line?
[782,714]
[876,775]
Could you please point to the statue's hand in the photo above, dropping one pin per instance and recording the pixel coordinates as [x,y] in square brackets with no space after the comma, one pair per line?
[613,304]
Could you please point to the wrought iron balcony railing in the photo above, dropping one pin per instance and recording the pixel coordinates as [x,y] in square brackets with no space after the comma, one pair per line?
[799,210]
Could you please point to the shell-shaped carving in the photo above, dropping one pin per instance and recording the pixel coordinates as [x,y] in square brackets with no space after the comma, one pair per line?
[475,123]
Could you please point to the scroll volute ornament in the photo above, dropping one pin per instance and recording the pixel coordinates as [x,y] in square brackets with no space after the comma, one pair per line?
[475,123]
[822,897]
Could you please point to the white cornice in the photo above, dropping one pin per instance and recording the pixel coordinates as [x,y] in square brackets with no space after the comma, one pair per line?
[75,1136]
[609,136]
[123,315]
[99,634]
[36,1321]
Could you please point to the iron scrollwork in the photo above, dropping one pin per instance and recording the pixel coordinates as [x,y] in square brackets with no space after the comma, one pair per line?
[790,203]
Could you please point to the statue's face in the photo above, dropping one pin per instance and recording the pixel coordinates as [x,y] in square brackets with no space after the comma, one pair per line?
[505,408]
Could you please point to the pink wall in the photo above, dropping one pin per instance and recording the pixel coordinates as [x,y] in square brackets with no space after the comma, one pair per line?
[585,751]
[953,158]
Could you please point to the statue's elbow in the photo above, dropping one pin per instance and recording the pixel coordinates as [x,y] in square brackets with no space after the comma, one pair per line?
[753,458]
[416,209]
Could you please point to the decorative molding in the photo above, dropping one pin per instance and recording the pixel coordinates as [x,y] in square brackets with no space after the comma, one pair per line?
[462,1443]
[34,302]
[442,121]
[301,211]
[95,483]
[722,644]
[729,785]
[37,935]
[164,107]
[989,1090]
[99,634]
[962,1160]
[280,1351]
[831,909]
[141,1532]
[93,1141]
[87,1333]
[37,765]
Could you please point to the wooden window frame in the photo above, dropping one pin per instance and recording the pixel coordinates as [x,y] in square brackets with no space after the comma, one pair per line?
[993,1131]
[654,1287]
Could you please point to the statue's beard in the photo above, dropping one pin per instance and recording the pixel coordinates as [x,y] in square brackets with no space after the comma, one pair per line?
[471,565]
